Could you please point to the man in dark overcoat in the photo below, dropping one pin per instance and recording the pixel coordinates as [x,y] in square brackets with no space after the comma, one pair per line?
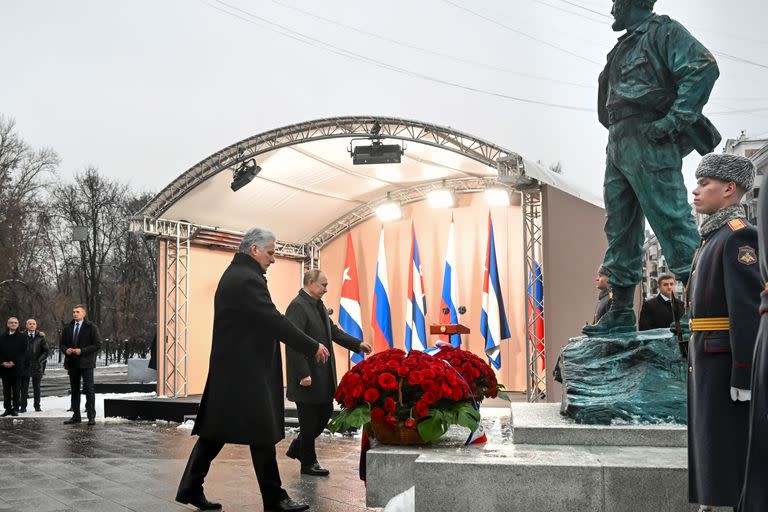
[604,297]
[723,294]
[754,497]
[243,398]
[662,310]
[312,385]
[80,343]
[12,351]
[37,354]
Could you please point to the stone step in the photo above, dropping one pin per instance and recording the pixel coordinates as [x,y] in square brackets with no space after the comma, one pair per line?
[543,424]
[590,475]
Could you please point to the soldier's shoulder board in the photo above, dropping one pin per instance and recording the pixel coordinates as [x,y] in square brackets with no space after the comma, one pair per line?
[747,255]
[736,224]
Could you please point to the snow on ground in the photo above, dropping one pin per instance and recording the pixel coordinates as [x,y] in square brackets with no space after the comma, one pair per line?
[56,406]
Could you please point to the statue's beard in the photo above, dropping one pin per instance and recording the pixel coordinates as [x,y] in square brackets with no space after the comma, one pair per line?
[620,13]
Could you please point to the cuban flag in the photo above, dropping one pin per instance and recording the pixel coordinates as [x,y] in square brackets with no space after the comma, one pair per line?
[449,298]
[381,316]
[350,319]
[416,306]
[493,319]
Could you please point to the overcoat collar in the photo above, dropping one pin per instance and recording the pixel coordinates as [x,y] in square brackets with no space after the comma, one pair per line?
[244,259]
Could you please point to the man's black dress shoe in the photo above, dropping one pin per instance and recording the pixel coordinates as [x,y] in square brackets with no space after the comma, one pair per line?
[314,470]
[38,409]
[23,409]
[7,413]
[199,501]
[91,421]
[287,505]
[73,420]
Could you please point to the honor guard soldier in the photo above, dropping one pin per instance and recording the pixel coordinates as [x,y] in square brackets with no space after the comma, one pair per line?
[723,294]
[754,497]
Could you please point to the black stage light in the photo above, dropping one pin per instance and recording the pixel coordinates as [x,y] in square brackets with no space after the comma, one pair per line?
[244,174]
[376,153]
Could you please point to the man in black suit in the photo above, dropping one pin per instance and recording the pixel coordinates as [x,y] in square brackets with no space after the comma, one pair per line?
[662,310]
[312,385]
[243,398]
[37,354]
[12,350]
[80,343]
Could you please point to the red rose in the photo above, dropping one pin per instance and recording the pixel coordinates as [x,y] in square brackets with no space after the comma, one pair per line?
[455,362]
[429,374]
[387,381]
[371,395]
[393,365]
[349,402]
[415,378]
[391,421]
[357,392]
[447,389]
[403,371]
[377,414]
[422,409]
[389,404]
[410,423]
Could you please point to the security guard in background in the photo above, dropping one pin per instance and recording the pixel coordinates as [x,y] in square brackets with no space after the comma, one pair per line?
[724,295]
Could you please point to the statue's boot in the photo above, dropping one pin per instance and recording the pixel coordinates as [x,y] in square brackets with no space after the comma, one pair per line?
[620,318]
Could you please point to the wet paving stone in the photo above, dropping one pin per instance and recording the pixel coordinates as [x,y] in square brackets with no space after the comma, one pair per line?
[46,466]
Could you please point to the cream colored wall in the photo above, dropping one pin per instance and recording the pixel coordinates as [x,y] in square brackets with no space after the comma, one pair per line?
[471,217]
[574,245]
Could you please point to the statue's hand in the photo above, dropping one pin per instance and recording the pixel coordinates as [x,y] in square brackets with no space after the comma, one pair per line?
[660,131]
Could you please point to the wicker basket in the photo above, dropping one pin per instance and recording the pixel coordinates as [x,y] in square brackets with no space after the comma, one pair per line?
[397,435]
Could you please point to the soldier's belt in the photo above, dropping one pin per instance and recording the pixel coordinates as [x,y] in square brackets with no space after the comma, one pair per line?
[709,324]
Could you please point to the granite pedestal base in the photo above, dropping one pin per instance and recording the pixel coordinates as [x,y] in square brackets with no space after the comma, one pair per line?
[538,461]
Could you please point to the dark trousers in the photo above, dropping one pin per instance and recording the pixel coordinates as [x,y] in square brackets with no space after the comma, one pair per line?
[264,460]
[86,374]
[35,390]
[11,386]
[313,418]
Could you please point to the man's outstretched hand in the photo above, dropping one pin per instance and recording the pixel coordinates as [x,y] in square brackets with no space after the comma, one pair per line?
[322,353]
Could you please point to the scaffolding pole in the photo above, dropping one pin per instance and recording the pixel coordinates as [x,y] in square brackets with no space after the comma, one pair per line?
[176,310]
[535,344]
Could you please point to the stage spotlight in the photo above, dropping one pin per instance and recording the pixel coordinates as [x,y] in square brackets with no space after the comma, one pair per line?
[389,211]
[375,153]
[244,174]
[497,196]
[441,198]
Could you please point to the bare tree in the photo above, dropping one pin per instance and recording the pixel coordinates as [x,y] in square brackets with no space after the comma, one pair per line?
[96,203]
[24,173]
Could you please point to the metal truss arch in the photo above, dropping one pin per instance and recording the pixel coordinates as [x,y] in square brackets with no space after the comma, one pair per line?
[445,138]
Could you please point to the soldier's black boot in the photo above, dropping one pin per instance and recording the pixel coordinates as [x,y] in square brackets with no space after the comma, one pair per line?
[620,318]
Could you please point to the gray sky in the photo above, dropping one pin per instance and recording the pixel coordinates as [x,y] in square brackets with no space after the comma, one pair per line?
[144,89]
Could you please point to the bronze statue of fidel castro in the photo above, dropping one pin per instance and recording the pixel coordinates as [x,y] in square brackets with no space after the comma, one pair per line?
[651,94]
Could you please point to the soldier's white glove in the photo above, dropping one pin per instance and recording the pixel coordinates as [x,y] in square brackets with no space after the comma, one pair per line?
[741,395]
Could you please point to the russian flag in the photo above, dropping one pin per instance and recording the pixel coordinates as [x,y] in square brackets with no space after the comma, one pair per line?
[536,308]
[493,320]
[350,319]
[449,298]
[416,306]
[381,316]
